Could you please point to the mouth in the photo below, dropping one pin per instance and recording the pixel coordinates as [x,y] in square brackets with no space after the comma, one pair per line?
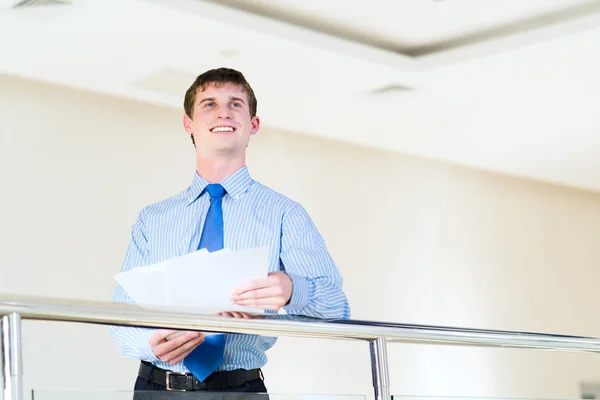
[222,128]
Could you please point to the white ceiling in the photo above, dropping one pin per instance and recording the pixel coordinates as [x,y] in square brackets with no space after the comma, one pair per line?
[507,86]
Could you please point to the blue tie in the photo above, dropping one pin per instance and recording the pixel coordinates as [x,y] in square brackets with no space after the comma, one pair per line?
[205,359]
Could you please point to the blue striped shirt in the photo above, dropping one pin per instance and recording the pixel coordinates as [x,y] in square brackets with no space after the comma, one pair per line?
[253,216]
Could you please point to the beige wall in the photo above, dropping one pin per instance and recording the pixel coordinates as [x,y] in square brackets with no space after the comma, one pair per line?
[417,242]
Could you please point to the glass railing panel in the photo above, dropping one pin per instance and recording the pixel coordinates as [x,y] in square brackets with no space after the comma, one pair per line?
[172,395]
[407,397]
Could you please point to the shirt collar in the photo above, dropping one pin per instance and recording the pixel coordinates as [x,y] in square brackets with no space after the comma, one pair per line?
[235,184]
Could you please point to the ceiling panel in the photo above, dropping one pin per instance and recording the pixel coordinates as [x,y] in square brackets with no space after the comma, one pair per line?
[529,109]
[416,26]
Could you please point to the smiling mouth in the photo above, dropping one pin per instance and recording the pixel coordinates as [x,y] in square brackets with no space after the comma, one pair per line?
[222,129]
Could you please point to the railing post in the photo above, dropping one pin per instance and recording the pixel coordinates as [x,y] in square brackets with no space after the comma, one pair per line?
[379,367]
[11,355]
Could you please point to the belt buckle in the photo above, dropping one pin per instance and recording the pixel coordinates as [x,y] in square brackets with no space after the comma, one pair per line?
[168,382]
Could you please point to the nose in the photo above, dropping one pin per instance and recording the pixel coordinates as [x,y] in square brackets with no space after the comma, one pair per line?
[224,113]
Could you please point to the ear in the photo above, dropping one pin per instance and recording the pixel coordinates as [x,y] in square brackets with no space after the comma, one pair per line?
[254,125]
[187,124]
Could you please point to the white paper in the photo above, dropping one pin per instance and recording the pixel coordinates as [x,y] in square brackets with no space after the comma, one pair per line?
[145,285]
[199,281]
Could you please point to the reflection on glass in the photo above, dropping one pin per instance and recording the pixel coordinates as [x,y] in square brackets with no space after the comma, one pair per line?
[128,395]
[403,397]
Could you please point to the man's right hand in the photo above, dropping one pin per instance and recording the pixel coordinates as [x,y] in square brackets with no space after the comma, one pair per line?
[174,350]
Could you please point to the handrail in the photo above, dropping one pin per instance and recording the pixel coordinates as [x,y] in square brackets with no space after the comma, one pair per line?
[107,313]
[17,307]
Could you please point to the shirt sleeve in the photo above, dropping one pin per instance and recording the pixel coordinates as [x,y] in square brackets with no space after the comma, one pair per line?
[317,282]
[133,342]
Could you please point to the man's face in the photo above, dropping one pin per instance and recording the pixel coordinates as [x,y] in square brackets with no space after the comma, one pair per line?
[221,122]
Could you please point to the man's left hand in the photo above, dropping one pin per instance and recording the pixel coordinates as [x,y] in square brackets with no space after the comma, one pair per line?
[270,293]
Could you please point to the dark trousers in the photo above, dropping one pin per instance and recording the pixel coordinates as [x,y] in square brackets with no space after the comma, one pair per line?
[252,390]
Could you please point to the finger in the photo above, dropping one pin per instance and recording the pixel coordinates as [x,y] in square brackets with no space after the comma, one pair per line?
[226,314]
[167,347]
[258,293]
[181,352]
[232,314]
[174,335]
[252,285]
[184,348]
[183,355]
[186,352]
[269,303]
[160,335]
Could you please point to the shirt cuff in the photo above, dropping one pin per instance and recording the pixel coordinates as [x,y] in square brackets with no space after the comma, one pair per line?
[147,349]
[299,298]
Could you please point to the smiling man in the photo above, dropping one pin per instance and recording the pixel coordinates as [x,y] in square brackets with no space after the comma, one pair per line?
[225,208]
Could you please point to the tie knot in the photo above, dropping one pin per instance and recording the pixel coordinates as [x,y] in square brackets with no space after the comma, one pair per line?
[215,191]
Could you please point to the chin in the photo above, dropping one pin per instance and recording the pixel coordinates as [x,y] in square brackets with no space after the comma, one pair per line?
[226,150]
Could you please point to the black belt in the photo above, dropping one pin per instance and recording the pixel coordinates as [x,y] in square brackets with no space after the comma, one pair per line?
[184,382]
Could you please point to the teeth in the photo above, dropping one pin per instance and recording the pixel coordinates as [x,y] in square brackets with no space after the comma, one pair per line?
[222,129]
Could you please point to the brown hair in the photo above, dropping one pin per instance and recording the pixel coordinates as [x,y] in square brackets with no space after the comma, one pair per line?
[219,76]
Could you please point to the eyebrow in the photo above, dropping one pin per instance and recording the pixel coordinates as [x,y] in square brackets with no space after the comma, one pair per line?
[231,98]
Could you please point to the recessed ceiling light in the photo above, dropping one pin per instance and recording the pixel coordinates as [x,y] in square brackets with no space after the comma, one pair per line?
[169,81]
[228,53]
[36,3]
[391,88]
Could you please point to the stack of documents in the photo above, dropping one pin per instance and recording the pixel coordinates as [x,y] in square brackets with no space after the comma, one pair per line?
[198,281]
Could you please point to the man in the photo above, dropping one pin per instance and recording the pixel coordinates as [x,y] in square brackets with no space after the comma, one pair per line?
[225,208]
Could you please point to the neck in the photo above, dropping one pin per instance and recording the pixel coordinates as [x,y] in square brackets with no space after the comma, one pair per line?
[216,169]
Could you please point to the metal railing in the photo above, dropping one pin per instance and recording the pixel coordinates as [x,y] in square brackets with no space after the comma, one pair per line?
[16,308]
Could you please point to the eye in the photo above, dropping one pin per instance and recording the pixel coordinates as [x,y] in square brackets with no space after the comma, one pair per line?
[236,105]
[210,104]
